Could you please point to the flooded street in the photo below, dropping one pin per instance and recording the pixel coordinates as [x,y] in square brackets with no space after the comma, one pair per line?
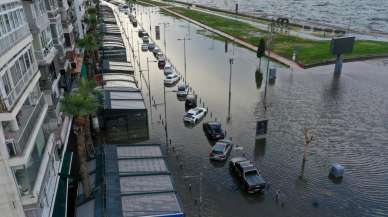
[348,116]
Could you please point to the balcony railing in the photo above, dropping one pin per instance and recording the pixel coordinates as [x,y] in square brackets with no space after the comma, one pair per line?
[42,53]
[60,40]
[12,38]
[12,97]
[53,11]
[20,142]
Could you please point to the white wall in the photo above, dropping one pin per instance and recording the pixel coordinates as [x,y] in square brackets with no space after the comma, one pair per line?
[10,203]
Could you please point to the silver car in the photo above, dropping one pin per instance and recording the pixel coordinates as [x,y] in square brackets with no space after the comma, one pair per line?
[221,150]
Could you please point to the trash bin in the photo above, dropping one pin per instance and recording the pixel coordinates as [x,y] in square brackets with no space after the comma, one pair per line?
[336,170]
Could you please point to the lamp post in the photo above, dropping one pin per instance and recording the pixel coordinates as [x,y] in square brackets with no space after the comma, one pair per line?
[149,80]
[184,39]
[230,86]
[271,28]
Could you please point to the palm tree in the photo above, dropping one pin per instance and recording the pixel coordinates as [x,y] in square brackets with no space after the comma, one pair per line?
[80,104]
[90,46]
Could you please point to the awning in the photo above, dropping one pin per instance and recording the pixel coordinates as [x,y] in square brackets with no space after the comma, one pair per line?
[60,206]
[84,73]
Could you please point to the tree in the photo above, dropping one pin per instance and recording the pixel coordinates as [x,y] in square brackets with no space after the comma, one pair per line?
[80,104]
[261,50]
[90,46]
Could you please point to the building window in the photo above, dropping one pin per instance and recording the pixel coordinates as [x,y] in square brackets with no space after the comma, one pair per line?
[22,65]
[7,83]
[16,73]
[27,60]
[7,23]
[26,175]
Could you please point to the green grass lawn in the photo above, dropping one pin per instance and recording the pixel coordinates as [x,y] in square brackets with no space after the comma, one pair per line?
[310,52]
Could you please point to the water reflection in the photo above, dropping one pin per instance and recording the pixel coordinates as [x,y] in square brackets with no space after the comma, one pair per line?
[259,78]
[260,148]
[346,113]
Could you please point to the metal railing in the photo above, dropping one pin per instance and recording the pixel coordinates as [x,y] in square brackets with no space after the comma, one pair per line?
[12,38]
[42,53]
[21,142]
[12,97]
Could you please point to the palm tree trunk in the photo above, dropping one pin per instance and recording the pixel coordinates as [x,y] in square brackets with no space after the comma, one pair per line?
[82,158]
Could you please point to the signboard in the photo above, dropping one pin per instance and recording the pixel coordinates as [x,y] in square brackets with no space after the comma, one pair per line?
[157,32]
[261,128]
[340,46]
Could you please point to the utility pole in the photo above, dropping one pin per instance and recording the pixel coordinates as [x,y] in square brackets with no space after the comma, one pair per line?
[230,86]
[184,39]
[271,28]
[165,115]
[149,82]
[308,138]
[149,13]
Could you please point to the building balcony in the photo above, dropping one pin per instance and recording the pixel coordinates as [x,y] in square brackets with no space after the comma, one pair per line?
[67,25]
[17,141]
[53,11]
[54,17]
[7,102]
[46,56]
[12,38]
[63,5]
[38,23]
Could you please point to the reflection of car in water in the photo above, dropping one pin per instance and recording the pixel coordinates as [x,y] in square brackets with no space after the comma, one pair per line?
[213,130]
[191,102]
[194,115]
[221,150]
[247,174]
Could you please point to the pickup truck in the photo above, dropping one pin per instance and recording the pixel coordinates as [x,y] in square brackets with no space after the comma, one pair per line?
[247,174]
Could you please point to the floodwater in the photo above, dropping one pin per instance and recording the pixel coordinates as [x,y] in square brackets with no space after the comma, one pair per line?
[348,116]
[366,15]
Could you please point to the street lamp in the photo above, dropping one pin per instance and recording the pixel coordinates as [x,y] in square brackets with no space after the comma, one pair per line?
[184,39]
[230,86]
[149,81]
[271,30]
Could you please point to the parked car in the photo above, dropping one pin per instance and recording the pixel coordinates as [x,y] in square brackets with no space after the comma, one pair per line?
[171,78]
[191,102]
[183,90]
[134,23]
[161,62]
[194,115]
[146,39]
[140,33]
[213,130]
[151,46]
[144,47]
[221,150]
[156,50]
[168,69]
[159,55]
[247,174]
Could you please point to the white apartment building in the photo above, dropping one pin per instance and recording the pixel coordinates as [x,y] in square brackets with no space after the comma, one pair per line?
[33,134]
